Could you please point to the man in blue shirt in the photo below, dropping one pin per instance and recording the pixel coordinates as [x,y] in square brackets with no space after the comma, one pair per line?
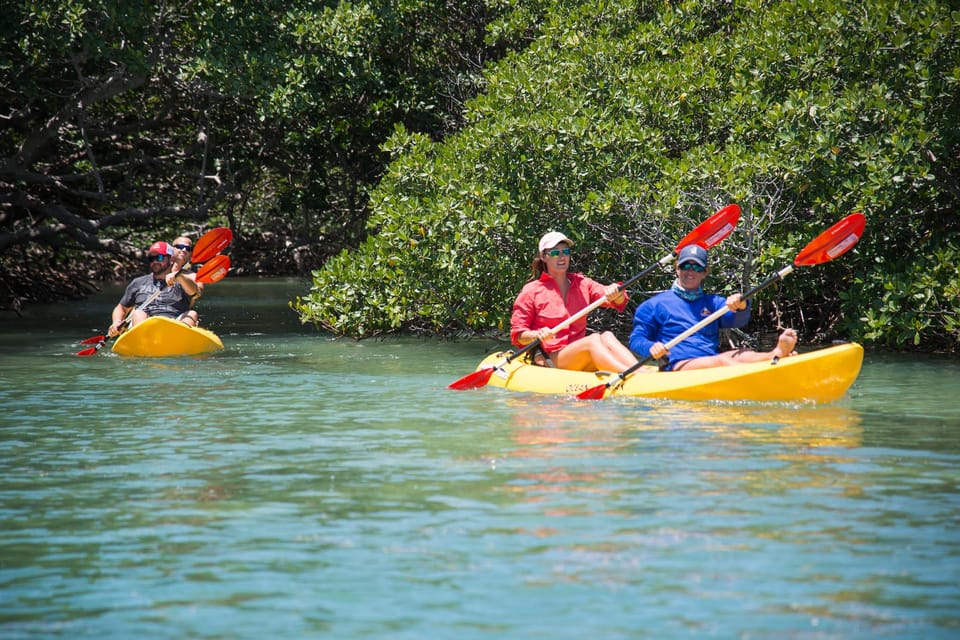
[668,314]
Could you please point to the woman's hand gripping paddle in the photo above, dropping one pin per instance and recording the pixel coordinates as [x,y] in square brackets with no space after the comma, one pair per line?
[207,248]
[707,234]
[830,244]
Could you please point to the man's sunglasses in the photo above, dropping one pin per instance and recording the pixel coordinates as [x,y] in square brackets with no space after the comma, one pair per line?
[690,266]
[183,246]
[157,258]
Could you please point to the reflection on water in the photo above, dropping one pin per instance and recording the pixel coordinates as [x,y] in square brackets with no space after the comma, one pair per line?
[300,486]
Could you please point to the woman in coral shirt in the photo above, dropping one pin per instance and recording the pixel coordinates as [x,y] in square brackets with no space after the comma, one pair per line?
[551,296]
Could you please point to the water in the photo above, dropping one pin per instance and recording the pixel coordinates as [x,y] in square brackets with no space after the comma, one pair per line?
[301,487]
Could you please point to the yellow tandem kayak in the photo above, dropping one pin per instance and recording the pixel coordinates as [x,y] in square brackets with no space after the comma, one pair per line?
[160,337]
[820,376]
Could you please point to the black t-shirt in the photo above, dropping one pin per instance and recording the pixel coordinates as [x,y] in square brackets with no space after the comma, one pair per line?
[172,301]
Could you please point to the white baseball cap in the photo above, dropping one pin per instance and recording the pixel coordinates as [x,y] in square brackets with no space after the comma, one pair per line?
[552,239]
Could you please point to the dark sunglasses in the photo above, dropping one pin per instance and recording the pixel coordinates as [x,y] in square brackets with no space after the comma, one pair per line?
[690,266]
[183,246]
[553,253]
[158,258]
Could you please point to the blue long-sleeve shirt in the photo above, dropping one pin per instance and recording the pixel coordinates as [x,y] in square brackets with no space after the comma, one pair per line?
[666,315]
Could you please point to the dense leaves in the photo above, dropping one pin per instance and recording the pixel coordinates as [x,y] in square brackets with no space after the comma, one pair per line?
[124,122]
[351,135]
[624,123]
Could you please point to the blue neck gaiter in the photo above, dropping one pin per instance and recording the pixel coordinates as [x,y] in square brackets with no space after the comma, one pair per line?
[687,295]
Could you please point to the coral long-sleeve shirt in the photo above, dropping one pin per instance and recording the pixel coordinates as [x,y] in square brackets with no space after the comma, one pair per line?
[540,304]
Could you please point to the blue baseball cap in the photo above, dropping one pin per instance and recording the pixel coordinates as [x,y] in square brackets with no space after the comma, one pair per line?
[693,253]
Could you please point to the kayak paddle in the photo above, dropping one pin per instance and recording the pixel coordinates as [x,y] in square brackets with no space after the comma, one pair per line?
[830,244]
[707,234]
[211,243]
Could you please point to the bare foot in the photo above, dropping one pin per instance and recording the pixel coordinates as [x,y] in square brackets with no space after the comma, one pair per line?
[785,344]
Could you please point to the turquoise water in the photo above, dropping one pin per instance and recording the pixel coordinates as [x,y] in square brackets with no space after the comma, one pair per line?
[298,486]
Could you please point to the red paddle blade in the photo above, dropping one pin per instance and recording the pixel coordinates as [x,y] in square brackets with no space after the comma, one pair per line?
[211,243]
[833,242]
[93,340]
[714,229]
[215,270]
[93,350]
[593,393]
[473,380]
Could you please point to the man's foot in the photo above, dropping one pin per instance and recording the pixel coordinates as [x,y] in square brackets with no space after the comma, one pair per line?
[785,344]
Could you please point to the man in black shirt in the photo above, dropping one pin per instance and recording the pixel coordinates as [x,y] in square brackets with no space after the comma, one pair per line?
[165,291]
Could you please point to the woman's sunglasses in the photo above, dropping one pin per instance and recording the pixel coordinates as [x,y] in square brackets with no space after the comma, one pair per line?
[690,266]
[553,253]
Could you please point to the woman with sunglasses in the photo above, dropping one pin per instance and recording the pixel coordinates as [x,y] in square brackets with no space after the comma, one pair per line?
[668,314]
[553,294]
[175,291]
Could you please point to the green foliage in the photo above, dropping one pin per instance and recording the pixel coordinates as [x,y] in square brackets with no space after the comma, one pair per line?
[126,121]
[326,82]
[918,298]
[622,117]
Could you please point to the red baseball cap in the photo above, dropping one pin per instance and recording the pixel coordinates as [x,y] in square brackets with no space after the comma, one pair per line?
[160,249]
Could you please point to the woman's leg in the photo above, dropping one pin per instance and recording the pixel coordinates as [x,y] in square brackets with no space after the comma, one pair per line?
[595,352]
[621,353]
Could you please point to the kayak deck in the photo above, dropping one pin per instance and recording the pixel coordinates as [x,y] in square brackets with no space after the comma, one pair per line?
[158,337]
[820,376]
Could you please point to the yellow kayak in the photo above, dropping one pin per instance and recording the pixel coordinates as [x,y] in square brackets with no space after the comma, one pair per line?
[819,376]
[160,337]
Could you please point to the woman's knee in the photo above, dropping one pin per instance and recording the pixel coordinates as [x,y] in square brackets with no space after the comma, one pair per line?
[590,339]
[599,341]
[611,341]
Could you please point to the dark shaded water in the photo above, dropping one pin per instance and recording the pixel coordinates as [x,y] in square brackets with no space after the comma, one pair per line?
[298,486]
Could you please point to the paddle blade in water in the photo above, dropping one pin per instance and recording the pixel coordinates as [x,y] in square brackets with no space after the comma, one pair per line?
[92,350]
[93,340]
[211,243]
[593,393]
[714,229]
[215,270]
[473,380]
[833,242]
